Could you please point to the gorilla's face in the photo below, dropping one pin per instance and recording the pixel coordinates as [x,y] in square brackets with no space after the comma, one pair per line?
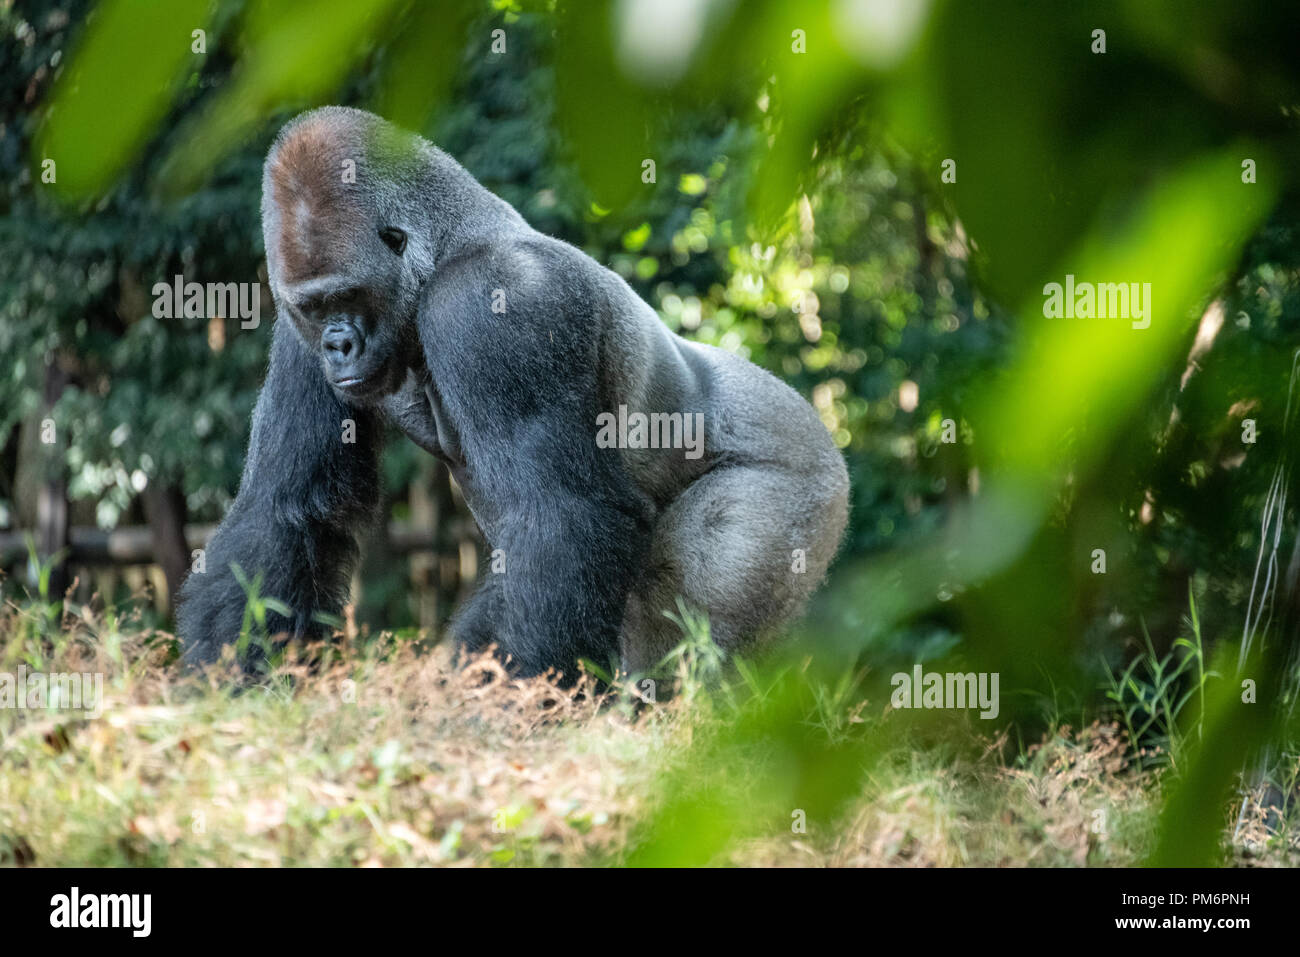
[345,250]
[360,320]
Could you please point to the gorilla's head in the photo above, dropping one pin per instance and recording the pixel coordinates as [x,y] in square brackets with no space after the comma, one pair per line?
[349,243]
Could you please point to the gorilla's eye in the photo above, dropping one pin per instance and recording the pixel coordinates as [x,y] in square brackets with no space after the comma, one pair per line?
[394,239]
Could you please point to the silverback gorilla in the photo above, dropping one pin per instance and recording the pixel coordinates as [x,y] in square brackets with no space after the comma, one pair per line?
[416,297]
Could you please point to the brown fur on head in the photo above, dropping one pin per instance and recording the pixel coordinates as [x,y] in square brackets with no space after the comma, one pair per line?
[305,174]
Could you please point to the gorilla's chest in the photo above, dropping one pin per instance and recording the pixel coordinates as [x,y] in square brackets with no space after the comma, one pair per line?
[416,409]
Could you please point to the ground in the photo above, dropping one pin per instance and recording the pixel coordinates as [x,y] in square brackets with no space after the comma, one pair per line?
[389,755]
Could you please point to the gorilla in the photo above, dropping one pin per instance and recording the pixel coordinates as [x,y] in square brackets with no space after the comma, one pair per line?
[415,297]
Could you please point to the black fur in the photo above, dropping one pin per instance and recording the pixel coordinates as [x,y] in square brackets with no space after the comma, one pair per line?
[571,526]
[303,500]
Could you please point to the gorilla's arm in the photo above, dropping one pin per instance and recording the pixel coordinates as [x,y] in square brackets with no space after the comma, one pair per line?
[520,389]
[304,497]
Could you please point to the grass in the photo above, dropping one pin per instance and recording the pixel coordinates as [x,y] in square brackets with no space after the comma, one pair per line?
[1151,696]
[383,754]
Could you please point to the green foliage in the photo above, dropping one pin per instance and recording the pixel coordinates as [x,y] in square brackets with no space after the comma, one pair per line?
[255,640]
[1152,693]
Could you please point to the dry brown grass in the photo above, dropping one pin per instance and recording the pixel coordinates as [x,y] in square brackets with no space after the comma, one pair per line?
[379,754]
[381,757]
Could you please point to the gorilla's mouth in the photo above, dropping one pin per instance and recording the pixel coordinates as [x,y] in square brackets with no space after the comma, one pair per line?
[355,386]
[369,382]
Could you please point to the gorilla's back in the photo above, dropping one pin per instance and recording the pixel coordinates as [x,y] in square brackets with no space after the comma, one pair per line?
[750,416]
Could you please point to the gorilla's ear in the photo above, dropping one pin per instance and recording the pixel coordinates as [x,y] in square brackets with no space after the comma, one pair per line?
[394,238]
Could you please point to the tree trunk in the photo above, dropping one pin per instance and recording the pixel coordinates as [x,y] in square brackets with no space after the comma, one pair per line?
[164,510]
[52,496]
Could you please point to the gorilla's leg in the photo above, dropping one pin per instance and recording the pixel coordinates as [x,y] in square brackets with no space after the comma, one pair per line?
[476,623]
[740,546]
[310,487]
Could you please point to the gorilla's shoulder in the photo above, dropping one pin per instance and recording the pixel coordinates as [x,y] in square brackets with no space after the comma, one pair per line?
[523,276]
[529,304]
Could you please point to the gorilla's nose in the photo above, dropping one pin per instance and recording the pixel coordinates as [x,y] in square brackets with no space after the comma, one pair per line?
[343,343]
